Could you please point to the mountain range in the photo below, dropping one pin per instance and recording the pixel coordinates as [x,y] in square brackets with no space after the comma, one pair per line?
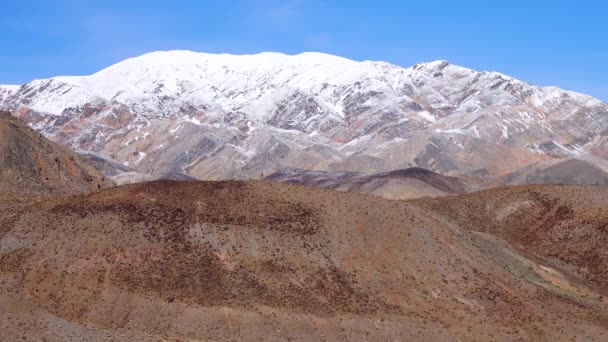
[242,117]
[251,260]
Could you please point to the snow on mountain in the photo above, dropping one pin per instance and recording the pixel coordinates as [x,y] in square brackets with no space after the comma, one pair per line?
[218,116]
[228,81]
[7,90]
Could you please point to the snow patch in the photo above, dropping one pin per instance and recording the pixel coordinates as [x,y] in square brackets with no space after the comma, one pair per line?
[427,116]
[140,157]
[193,120]
[454,131]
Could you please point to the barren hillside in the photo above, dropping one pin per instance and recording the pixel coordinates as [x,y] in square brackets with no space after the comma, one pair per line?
[272,261]
[565,226]
[30,164]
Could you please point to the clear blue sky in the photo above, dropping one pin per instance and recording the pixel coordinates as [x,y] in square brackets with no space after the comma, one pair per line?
[562,43]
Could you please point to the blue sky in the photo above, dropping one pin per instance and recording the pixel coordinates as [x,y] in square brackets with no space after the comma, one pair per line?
[562,43]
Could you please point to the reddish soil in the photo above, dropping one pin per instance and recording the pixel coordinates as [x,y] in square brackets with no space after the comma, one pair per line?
[564,226]
[271,261]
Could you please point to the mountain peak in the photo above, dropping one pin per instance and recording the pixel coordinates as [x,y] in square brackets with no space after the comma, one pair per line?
[439,64]
[434,65]
[9,87]
[6,91]
[187,57]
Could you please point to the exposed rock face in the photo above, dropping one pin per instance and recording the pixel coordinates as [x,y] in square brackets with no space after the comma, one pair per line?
[399,184]
[32,165]
[224,116]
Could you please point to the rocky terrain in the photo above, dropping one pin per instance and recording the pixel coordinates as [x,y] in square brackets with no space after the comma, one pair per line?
[260,260]
[399,184]
[268,260]
[415,183]
[272,261]
[561,226]
[243,117]
[121,174]
[569,171]
[32,165]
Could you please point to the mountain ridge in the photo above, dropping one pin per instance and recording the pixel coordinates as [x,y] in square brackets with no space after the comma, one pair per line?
[308,54]
[397,184]
[169,58]
[569,171]
[239,117]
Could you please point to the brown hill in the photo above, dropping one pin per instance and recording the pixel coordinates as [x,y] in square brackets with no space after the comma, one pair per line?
[408,183]
[564,227]
[33,165]
[271,261]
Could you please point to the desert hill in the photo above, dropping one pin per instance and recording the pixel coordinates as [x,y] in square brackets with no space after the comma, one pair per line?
[30,164]
[565,227]
[272,261]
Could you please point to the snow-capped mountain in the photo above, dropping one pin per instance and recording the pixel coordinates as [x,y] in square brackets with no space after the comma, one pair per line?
[226,116]
[6,91]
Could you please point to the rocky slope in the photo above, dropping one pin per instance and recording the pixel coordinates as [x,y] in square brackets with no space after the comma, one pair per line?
[225,116]
[121,174]
[565,227]
[32,165]
[569,171]
[399,184]
[271,261]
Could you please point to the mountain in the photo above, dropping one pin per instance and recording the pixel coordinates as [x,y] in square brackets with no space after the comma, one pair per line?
[6,91]
[399,184]
[569,171]
[270,261]
[32,165]
[227,116]
[121,174]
